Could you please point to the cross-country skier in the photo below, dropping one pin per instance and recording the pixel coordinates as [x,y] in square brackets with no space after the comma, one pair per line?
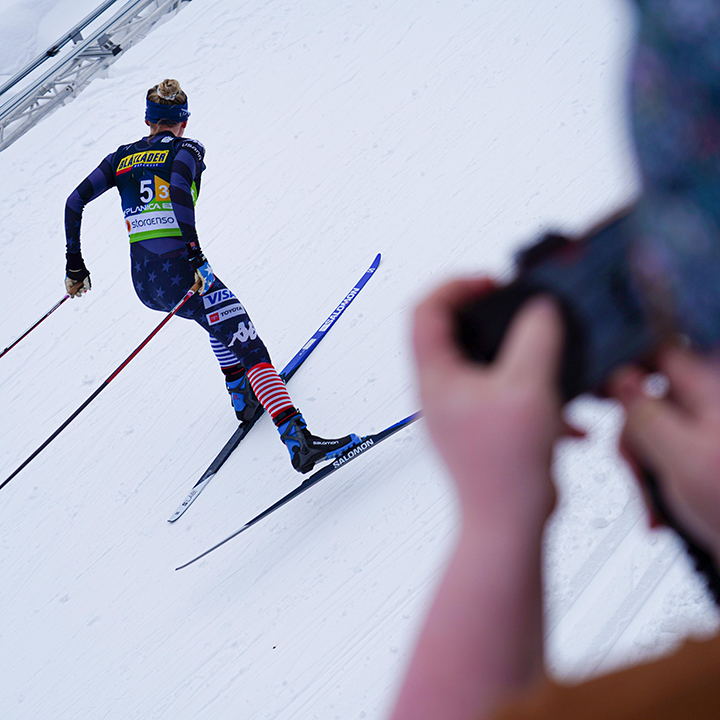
[158,178]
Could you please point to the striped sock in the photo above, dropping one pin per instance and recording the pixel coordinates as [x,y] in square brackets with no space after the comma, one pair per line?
[269,389]
[225,357]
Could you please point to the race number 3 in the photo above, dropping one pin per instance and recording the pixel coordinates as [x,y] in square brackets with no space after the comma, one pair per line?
[162,190]
[154,188]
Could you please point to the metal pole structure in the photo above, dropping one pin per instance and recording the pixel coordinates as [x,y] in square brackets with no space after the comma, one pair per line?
[53,50]
[91,57]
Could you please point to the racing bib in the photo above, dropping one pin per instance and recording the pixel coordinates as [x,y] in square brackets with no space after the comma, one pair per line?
[143,178]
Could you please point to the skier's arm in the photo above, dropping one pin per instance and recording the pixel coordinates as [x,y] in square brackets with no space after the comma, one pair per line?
[94,185]
[495,428]
[185,169]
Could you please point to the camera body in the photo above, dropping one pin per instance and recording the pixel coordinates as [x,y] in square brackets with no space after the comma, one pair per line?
[607,321]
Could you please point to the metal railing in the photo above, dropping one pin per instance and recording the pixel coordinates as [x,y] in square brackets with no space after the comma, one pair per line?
[89,58]
[75,35]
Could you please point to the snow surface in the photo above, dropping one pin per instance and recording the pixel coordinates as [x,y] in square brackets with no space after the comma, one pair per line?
[443,135]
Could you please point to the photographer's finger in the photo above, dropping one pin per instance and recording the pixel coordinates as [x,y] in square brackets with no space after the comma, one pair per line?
[694,380]
[533,345]
[655,429]
[434,321]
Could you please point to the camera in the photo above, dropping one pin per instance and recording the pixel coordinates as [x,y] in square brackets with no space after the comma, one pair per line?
[620,297]
[607,320]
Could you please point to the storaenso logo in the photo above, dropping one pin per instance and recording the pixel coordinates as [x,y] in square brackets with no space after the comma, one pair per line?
[354,452]
[140,222]
[338,310]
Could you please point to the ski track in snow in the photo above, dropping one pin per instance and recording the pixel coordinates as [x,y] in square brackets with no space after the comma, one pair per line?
[441,136]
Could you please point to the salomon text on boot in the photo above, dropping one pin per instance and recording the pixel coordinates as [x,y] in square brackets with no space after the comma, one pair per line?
[305,448]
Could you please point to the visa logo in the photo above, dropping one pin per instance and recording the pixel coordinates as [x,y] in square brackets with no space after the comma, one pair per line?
[215,298]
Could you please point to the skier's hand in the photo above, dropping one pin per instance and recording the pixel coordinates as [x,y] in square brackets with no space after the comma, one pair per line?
[494,425]
[77,276]
[205,276]
[676,437]
[203,272]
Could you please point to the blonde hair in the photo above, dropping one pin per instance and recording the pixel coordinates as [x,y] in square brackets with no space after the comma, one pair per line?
[168,92]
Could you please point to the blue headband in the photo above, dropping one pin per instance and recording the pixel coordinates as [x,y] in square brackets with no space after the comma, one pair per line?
[155,112]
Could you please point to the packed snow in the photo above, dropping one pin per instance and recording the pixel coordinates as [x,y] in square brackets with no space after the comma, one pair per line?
[443,135]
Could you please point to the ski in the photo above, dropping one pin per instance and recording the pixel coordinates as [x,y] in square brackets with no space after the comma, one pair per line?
[367,442]
[288,371]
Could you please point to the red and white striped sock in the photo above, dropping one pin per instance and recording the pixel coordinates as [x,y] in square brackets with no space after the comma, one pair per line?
[269,389]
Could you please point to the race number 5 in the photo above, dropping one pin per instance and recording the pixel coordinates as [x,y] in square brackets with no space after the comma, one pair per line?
[146,191]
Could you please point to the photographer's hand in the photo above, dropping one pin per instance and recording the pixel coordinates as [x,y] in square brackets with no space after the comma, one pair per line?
[495,427]
[677,437]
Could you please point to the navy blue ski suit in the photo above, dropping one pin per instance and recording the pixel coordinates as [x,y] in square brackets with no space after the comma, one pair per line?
[158,179]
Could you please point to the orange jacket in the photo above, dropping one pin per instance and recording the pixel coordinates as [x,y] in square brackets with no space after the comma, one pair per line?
[682,686]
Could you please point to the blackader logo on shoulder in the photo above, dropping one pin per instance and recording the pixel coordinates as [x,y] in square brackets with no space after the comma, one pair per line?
[354,452]
[147,158]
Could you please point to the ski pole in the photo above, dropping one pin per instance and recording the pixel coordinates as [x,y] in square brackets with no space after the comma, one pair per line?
[110,378]
[47,314]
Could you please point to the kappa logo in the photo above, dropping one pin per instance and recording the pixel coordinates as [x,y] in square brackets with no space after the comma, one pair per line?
[225,313]
[215,298]
[245,332]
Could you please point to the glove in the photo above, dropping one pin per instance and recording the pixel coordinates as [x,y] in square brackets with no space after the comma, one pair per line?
[205,275]
[76,272]
[203,272]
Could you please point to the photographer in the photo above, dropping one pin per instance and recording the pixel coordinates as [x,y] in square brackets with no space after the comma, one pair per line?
[495,426]
[480,654]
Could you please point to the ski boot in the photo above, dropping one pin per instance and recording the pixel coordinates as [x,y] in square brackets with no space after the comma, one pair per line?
[243,398]
[305,448]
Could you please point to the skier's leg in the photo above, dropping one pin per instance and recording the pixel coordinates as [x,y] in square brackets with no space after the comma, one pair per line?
[160,280]
[242,396]
[250,376]
[305,448]
[254,379]
[262,384]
